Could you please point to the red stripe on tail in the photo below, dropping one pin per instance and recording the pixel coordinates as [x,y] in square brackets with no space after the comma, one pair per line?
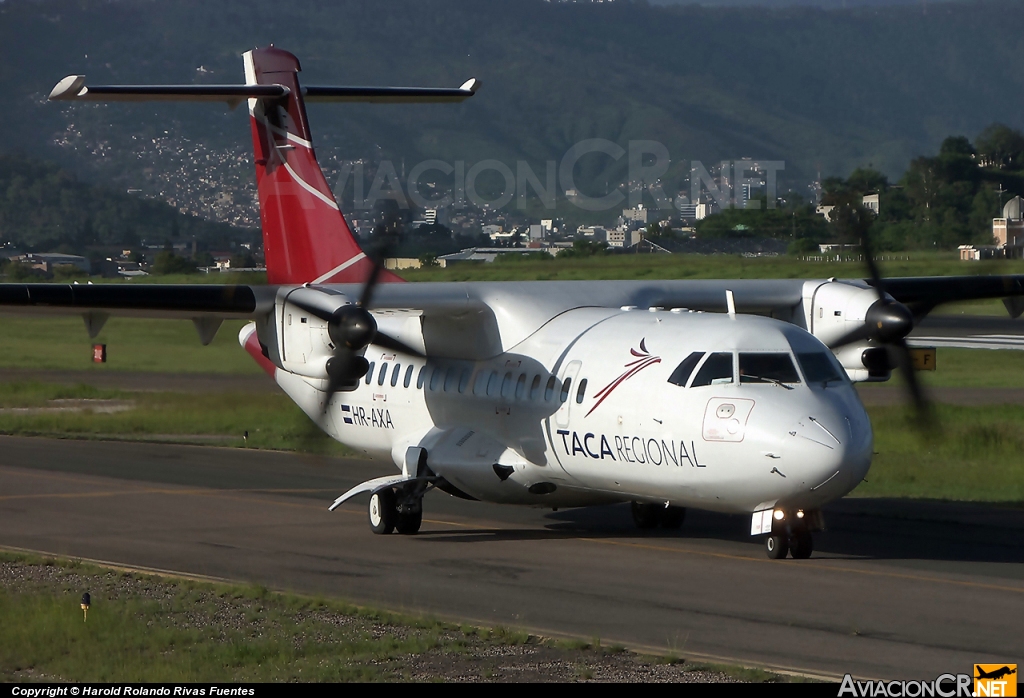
[305,237]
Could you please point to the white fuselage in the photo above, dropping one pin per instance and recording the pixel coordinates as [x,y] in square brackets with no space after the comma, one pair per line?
[582,411]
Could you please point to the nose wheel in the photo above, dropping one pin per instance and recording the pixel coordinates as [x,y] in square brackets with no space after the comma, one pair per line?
[799,544]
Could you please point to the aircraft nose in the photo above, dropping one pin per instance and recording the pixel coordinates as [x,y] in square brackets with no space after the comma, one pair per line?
[828,447]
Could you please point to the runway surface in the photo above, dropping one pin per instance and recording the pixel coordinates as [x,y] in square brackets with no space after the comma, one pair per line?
[896,589]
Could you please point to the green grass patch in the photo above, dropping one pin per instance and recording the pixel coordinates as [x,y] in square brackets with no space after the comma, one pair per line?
[968,368]
[975,455]
[272,419]
[148,629]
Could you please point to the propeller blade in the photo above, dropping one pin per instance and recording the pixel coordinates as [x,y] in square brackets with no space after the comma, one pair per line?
[371,283]
[925,416]
[388,342]
[313,310]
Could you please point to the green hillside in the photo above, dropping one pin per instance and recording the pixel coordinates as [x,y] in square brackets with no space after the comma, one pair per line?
[43,207]
[824,91]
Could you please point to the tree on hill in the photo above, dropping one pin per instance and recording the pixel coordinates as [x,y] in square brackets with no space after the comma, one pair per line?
[1001,147]
[166,262]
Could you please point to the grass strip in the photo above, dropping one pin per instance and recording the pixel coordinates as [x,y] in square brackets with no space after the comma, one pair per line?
[271,419]
[149,628]
[975,455]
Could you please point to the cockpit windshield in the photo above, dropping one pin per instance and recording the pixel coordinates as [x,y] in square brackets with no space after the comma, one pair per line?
[767,367]
[715,371]
[818,367]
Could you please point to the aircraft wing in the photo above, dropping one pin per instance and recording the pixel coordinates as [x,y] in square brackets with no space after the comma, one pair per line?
[930,291]
[138,300]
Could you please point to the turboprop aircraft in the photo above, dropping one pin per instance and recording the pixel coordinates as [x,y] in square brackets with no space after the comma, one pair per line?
[732,396]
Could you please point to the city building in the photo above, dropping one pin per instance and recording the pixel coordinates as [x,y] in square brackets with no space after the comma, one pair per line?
[1008,231]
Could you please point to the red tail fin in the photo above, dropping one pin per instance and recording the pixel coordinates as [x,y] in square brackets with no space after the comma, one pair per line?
[305,237]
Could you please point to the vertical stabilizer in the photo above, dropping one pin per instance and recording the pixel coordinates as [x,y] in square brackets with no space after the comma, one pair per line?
[305,237]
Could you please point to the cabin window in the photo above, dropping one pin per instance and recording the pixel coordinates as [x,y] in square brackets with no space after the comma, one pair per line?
[717,369]
[421,377]
[564,395]
[521,386]
[774,367]
[369,373]
[394,375]
[535,387]
[450,379]
[506,385]
[580,391]
[464,379]
[435,377]
[818,367]
[408,376]
[492,384]
[685,368]
[383,373]
[549,390]
[480,384]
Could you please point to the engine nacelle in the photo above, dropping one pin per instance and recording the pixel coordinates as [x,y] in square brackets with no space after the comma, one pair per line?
[835,308]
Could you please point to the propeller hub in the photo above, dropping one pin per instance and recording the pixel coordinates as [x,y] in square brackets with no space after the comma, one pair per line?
[888,321]
[352,327]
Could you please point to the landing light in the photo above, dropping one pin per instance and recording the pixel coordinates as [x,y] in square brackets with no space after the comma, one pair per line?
[800,514]
[779,515]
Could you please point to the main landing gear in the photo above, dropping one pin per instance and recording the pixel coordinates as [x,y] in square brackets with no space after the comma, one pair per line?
[647,516]
[396,509]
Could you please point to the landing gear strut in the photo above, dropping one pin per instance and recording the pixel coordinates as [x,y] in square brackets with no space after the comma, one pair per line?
[647,516]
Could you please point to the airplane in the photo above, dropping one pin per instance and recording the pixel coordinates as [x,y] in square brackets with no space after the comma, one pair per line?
[733,396]
[995,674]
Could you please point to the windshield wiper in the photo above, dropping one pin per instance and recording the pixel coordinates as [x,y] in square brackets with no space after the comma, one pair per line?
[765,379]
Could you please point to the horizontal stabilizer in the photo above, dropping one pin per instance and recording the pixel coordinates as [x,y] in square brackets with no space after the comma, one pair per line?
[73,88]
[320,93]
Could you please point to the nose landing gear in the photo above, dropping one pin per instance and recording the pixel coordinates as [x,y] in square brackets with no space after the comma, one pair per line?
[792,534]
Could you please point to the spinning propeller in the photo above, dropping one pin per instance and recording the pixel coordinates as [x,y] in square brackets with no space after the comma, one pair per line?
[887,322]
[352,328]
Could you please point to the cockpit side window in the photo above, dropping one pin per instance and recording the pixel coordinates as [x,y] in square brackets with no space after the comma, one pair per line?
[767,367]
[685,368]
[818,367]
[715,371]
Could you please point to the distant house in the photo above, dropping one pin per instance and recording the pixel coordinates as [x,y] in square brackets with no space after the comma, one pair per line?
[837,248]
[976,253]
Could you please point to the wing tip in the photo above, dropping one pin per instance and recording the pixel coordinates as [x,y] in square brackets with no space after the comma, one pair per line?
[71,87]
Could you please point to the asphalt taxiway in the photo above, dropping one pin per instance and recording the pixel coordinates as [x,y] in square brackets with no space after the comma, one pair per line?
[896,589]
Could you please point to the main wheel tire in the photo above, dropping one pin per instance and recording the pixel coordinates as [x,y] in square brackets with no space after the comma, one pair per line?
[383,511]
[802,545]
[673,517]
[776,546]
[646,515]
[408,524]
